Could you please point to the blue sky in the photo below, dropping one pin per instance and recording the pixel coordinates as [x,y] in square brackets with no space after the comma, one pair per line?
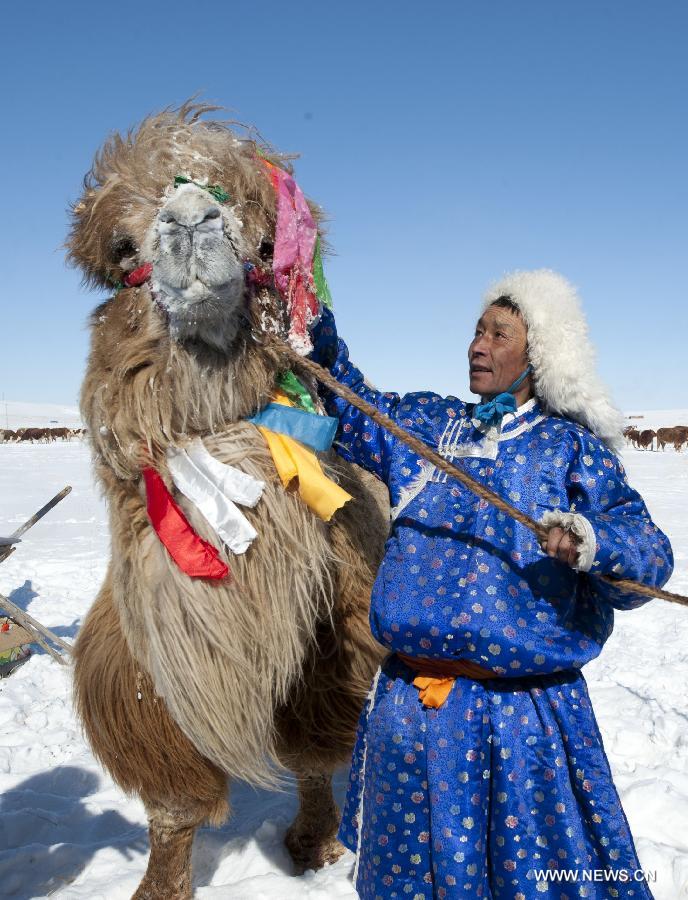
[449,142]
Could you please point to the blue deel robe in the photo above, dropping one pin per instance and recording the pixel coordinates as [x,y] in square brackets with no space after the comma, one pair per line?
[509,776]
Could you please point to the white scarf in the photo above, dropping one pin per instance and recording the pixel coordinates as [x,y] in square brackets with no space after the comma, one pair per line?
[215,488]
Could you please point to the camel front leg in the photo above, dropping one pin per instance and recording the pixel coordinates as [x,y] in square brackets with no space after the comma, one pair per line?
[312,837]
[171,834]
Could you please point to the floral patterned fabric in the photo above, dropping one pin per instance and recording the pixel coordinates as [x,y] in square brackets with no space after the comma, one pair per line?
[510,775]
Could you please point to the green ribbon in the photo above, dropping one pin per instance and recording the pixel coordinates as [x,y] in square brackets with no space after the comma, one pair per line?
[219,193]
[295,390]
[322,289]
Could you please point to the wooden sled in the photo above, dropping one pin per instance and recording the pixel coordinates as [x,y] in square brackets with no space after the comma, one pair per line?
[15,644]
[19,630]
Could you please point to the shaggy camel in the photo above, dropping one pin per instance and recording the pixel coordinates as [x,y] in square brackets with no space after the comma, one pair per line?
[183,683]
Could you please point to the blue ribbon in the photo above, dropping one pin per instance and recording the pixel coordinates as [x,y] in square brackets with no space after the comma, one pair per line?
[316,432]
[492,411]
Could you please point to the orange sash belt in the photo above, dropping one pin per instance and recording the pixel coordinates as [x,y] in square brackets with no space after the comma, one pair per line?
[436,677]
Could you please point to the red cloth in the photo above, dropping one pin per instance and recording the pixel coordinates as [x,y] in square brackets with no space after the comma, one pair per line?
[139,276]
[192,554]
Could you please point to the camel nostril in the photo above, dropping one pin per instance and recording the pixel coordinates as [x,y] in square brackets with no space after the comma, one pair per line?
[190,218]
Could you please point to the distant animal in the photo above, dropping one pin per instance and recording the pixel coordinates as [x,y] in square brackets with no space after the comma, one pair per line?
[664,436]
[632,435]
[645,439]
[680,438]
[675,437]
[31,435]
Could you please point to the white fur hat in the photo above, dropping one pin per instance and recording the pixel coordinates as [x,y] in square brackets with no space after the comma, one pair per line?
[560,351]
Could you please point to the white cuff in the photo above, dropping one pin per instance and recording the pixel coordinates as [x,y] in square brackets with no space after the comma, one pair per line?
[581,528]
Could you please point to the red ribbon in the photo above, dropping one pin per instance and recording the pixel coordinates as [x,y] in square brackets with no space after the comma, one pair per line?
[192,554]
[139,276]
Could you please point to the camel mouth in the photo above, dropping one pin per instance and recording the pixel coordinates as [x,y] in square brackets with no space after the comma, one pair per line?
[211,314]
[196,292]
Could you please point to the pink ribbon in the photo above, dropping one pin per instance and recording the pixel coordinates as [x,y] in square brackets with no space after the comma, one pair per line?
[295,236]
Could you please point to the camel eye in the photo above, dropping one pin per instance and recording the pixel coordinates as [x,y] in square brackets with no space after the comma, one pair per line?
[266,248]
[122,247]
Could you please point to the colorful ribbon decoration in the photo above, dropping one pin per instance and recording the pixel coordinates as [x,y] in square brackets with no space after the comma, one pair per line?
[294,388]
[215,190]
[191,553]
[215,488]
[297,260]
[138,276]
[292,434]
[317,432]
[294,460]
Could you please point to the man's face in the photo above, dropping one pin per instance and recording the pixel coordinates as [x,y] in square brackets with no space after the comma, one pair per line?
[497,355]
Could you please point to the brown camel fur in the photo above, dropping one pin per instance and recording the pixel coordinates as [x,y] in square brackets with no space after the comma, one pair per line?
[182,683]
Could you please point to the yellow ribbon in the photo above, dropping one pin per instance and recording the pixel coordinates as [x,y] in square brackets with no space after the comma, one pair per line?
[293,460]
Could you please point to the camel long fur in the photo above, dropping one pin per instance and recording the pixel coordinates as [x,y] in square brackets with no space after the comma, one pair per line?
[268,668]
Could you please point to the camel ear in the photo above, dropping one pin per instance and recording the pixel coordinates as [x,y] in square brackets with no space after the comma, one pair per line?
[84,245]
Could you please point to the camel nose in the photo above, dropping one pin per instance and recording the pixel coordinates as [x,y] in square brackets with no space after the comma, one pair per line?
[189,209]
[189,220]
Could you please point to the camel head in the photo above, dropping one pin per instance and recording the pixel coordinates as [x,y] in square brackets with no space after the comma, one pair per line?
[186,204]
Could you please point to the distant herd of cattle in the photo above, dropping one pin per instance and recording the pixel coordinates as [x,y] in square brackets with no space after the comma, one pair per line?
[33,435]
[676,437]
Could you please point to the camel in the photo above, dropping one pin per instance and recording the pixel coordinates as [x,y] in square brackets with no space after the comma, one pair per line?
[184,684]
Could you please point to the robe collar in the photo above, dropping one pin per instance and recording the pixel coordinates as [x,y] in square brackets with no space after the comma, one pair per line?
[523,415]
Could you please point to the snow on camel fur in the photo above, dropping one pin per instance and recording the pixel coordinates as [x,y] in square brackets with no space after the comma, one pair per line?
[269,667]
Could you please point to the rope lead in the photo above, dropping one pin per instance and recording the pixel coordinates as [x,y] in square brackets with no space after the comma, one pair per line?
[484,493]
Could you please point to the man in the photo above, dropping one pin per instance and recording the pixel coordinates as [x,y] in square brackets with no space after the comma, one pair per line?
[478,759]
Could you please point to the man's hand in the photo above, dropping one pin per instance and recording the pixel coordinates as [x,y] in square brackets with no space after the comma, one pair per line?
[561,545]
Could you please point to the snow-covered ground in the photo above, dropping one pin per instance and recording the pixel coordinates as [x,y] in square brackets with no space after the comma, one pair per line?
[66,829]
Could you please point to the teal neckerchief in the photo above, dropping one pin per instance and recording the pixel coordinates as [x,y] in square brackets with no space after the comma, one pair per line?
[492,411]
